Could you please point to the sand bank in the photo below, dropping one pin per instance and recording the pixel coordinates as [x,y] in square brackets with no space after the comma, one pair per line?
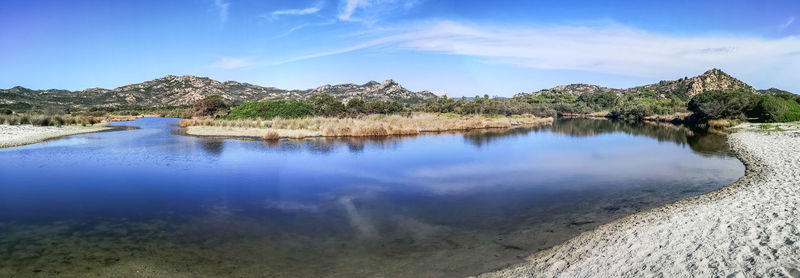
[749,228]
[18,135]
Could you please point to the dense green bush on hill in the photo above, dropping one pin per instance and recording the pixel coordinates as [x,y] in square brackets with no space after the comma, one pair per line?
[356,106]
[729,104]
[738,104]
[776,109]
[326,105]
[632,111]
[383,107]
[269,109]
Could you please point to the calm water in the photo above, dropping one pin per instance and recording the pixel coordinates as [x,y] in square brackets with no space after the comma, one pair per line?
[153,202]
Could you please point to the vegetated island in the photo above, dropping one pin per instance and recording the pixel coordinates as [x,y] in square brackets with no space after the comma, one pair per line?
[746,229]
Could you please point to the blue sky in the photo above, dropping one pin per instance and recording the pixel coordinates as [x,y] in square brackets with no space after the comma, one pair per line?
[453,47]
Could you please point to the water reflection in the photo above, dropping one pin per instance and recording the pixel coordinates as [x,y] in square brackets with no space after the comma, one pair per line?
[453,204]
[700,141]
[213,146]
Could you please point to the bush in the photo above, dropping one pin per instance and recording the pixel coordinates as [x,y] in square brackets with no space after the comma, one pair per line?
[730,104]
[770,109]
[326,105]
[776,109]
[632,111]
[6,112]
[209,106]
[269,109]
[383,107]
[356,106]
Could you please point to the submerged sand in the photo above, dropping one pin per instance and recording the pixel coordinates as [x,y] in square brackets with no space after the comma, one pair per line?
[18,135]
[749,228]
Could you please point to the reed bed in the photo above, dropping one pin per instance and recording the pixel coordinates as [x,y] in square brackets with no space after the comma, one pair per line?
[370,125]
[59,120]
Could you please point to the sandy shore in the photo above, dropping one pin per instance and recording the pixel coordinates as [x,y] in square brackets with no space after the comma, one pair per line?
[748,229]
[18,135]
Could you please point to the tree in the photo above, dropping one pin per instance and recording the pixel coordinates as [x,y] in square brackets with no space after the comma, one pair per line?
[326,105]
[356,106]
[209,106]
[383,107]
[776,109]
[728,104]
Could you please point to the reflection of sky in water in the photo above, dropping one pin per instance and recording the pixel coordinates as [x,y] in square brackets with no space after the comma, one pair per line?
[368,188]
[151,166]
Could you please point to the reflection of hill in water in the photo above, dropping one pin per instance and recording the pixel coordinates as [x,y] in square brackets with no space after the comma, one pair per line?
[702,142]
[328,145]
[699,141]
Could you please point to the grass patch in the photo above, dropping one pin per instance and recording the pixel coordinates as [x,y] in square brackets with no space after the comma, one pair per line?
[770,127]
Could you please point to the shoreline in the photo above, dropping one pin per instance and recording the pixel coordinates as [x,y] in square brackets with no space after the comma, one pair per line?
[747,228]
[20,135]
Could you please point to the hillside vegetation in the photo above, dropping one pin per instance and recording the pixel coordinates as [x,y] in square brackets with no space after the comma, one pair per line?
[712,96]
[184,91]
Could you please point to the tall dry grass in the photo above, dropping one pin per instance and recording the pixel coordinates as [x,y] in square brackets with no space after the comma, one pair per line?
[370,125]
[59,120]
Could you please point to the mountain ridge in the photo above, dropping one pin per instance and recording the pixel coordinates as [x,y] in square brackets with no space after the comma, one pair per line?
[682,88]
[184,90]
[174,90]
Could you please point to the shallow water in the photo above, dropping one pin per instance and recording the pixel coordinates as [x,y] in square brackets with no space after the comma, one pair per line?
[153,202]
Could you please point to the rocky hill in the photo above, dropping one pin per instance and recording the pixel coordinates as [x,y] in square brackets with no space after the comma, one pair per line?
[185,90]
[683,88]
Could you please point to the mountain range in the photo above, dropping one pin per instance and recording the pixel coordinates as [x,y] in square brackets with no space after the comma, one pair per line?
[683,88]
[172,90]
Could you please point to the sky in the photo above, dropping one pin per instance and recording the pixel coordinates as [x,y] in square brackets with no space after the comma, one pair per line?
[458,48]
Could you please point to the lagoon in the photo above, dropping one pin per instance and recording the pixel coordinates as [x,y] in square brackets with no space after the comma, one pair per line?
[154,201]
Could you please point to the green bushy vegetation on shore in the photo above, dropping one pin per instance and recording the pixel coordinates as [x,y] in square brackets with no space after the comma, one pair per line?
[743,105]
[268,109]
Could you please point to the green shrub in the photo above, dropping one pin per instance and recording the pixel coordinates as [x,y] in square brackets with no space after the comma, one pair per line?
[632,111]
[729,104]
[326,105]
[356,106]
[776,109]
[383,107]
[269,109]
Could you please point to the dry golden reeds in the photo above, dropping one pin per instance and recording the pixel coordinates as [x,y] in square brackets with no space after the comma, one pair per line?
[371,125]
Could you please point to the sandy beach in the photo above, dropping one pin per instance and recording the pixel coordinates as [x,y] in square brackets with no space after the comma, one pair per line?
[18,135]
[747,229]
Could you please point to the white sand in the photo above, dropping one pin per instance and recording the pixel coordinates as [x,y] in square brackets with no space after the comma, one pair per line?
[18,135]
[748,229]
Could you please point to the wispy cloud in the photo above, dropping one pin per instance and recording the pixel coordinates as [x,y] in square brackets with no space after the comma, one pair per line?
[231,63]
[371,9]
[305,11]
[786,24]
[222,7]
[305,25]
[350,7]
[611,49]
